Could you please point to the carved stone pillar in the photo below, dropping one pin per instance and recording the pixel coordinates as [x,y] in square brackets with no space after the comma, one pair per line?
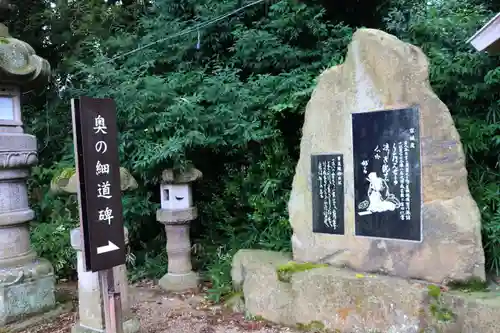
[176,213]
[26,282]
[90,302]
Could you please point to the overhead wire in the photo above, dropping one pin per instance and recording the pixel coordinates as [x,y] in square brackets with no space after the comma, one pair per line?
[195,28]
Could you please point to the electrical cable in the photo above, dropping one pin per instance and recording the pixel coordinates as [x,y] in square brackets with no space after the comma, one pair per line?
[184,32]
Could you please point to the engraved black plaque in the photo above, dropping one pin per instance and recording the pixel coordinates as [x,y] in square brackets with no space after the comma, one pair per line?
[327,178]
[387,176]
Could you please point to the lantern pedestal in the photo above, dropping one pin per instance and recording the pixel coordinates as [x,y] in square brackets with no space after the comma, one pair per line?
[179,282]
[26,282]
[180,275]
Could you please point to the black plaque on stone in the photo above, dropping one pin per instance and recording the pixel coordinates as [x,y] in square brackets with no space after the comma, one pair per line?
[387,174]
[327,178]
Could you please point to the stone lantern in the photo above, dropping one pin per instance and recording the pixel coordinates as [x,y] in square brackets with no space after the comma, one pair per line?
[90,303]
[26,282]
[176,213]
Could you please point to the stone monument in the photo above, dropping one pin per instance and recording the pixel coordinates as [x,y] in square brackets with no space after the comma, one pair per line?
[176,213]
[380,208]
[441,240]
[90,302]
[26,282]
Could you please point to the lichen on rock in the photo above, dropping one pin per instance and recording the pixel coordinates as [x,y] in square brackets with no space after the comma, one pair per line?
[19,63]
[286,271]
[67,182]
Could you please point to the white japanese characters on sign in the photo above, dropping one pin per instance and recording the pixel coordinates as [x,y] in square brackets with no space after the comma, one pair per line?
[330,176]
[100,125]
[412,138]
[104,187]
[365,166]
[101,169]
[340,172]
[95,137]
[104,190]
[395,161]
[106,215]
[101,147]
[387,177]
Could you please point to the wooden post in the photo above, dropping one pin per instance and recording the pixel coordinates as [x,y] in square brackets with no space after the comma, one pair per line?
[112,302]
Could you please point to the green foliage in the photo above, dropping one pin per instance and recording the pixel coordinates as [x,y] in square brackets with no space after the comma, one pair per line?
[438,309]
[50,234]
[471,285]
[233,108]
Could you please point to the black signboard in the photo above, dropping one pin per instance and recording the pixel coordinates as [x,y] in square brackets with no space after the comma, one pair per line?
[327,177]
[96,146]
[387,177]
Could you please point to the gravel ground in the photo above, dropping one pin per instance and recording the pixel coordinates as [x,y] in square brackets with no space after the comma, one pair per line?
[161,312]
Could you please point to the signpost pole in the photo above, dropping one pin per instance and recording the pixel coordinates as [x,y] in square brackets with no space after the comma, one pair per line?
[112,302]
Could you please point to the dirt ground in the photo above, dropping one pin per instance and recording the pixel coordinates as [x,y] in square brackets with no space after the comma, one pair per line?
[162,312]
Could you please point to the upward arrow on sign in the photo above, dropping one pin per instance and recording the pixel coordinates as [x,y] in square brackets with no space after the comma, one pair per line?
[107,248]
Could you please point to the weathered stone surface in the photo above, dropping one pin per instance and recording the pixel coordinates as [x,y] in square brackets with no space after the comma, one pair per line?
[167,216]
[26,289]
[180,275]
[179,282]
[67,182]
[36,320]
[170,177]
[382,72]
[19,63]
[346,301]
[254,272]
[90,306]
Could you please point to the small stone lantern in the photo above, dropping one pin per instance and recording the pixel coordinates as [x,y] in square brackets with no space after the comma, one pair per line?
[90,303]
[176,213]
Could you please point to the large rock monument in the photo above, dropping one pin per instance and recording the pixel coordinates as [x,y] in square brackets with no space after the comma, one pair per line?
[379,197]
[383,73]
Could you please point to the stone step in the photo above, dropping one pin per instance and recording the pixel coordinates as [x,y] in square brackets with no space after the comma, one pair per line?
[346,301]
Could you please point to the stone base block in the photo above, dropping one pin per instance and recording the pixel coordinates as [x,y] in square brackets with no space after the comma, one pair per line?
[39,319]
[130,326]
[179,282]
[345,301]
[26,290]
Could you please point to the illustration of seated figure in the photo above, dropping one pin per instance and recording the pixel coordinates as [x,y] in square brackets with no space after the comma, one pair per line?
[379,197]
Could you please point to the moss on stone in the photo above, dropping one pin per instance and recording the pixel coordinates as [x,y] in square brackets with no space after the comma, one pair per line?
[66,182]
[286,271]
[313,326]
[235,301]
[4,40]
[437,307]
[471,285]
[65,174]
[63,297]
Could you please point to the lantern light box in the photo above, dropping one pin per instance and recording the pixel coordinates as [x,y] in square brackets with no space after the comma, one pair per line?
[176,196]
